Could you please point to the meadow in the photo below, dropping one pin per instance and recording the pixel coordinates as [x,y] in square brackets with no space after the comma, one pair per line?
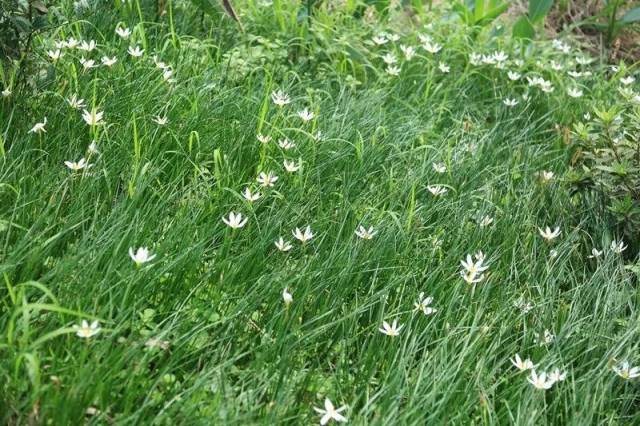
[345,217]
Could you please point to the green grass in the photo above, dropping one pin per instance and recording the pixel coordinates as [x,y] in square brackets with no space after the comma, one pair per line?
[232,352]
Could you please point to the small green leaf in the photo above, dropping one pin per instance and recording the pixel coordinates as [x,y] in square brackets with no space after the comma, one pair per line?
[538,9]
[523,29]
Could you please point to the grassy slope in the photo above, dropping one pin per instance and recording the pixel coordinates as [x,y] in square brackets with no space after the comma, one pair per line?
[236,354]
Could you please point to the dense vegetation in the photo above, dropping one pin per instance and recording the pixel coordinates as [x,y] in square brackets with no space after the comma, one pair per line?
[420,220]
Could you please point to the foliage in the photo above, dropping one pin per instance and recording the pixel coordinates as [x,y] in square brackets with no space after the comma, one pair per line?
[19,21]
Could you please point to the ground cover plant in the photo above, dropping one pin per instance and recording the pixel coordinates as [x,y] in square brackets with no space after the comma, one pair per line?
[337,213]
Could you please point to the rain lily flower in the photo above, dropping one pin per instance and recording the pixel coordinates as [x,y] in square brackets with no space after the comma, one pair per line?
[330,413]
[547,338]
[393,70]
[251,196]
[485,221]
[286,144]
[423,304]
[379,40]
[85,330]
[306,115]
[513,76]
[595,253]
[392,37]
[583,60]
[389,59]
[540,381]
[280,98]
[141,256]
[123,32]
[391,330]
[235,221]
[266,179]
[431,47]
[39,127]
[437,190]
[108,62]
[408,51]
[473,270]
[75,166]
[87,64]
[135,51]
[521,365]
[71,43]
[364,233]
[444,68]
[548,234]
[618,247]
[625,370]
[574,92]
[627,80]
[75,103]
[546,176]
[54,55]
[557,376]
[291,166]
[93,148]
[5,93]
[303,236]
[439,167]
[263,139]
[93,118]
[287,297]
[510,102]
[161,121]
[87,46]
[283,245]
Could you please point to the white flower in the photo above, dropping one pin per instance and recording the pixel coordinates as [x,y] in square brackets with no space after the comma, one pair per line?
[547,338]
[437,190]
[85,330]
[283,245]
[513,76]
[475,58]
[280,98]
[500,56]
[108,62]
[364,233]
[291,166]
[472,270]
[161,121]
[444,68]
[251,196]
[330,413]
[553,254]
[93,148]
[423,304]
[546,176]
[159,63]
[389,58]
[510,102]
[39,127]
[54,55]
[431,47]
[287,297]
[75,166]
[595,253]
[71,43]
[87,64]
[286,144]
[556,66]
[574,92]
[548,234]
[488,59]
[540,381]
[92,118]
[303,236]
[557,375]
[627,80]
[135,51]
[87,46]
[379,40]
[575,74]
[521,365]
[583,60]
[266,179]
[141,255]
[618,247]
[123,32]
[6,93]
[439,167]
[391,330]
[393,70]
[262,138]
[75,103]
[625,370]
[306,115]
[167,75]
[523,305]
[485,221]
[235,221]
[408,51]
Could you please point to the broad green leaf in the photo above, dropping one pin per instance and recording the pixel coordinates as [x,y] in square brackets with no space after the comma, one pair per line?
[631,16]
[523,29]
[492,14]
[538,9]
